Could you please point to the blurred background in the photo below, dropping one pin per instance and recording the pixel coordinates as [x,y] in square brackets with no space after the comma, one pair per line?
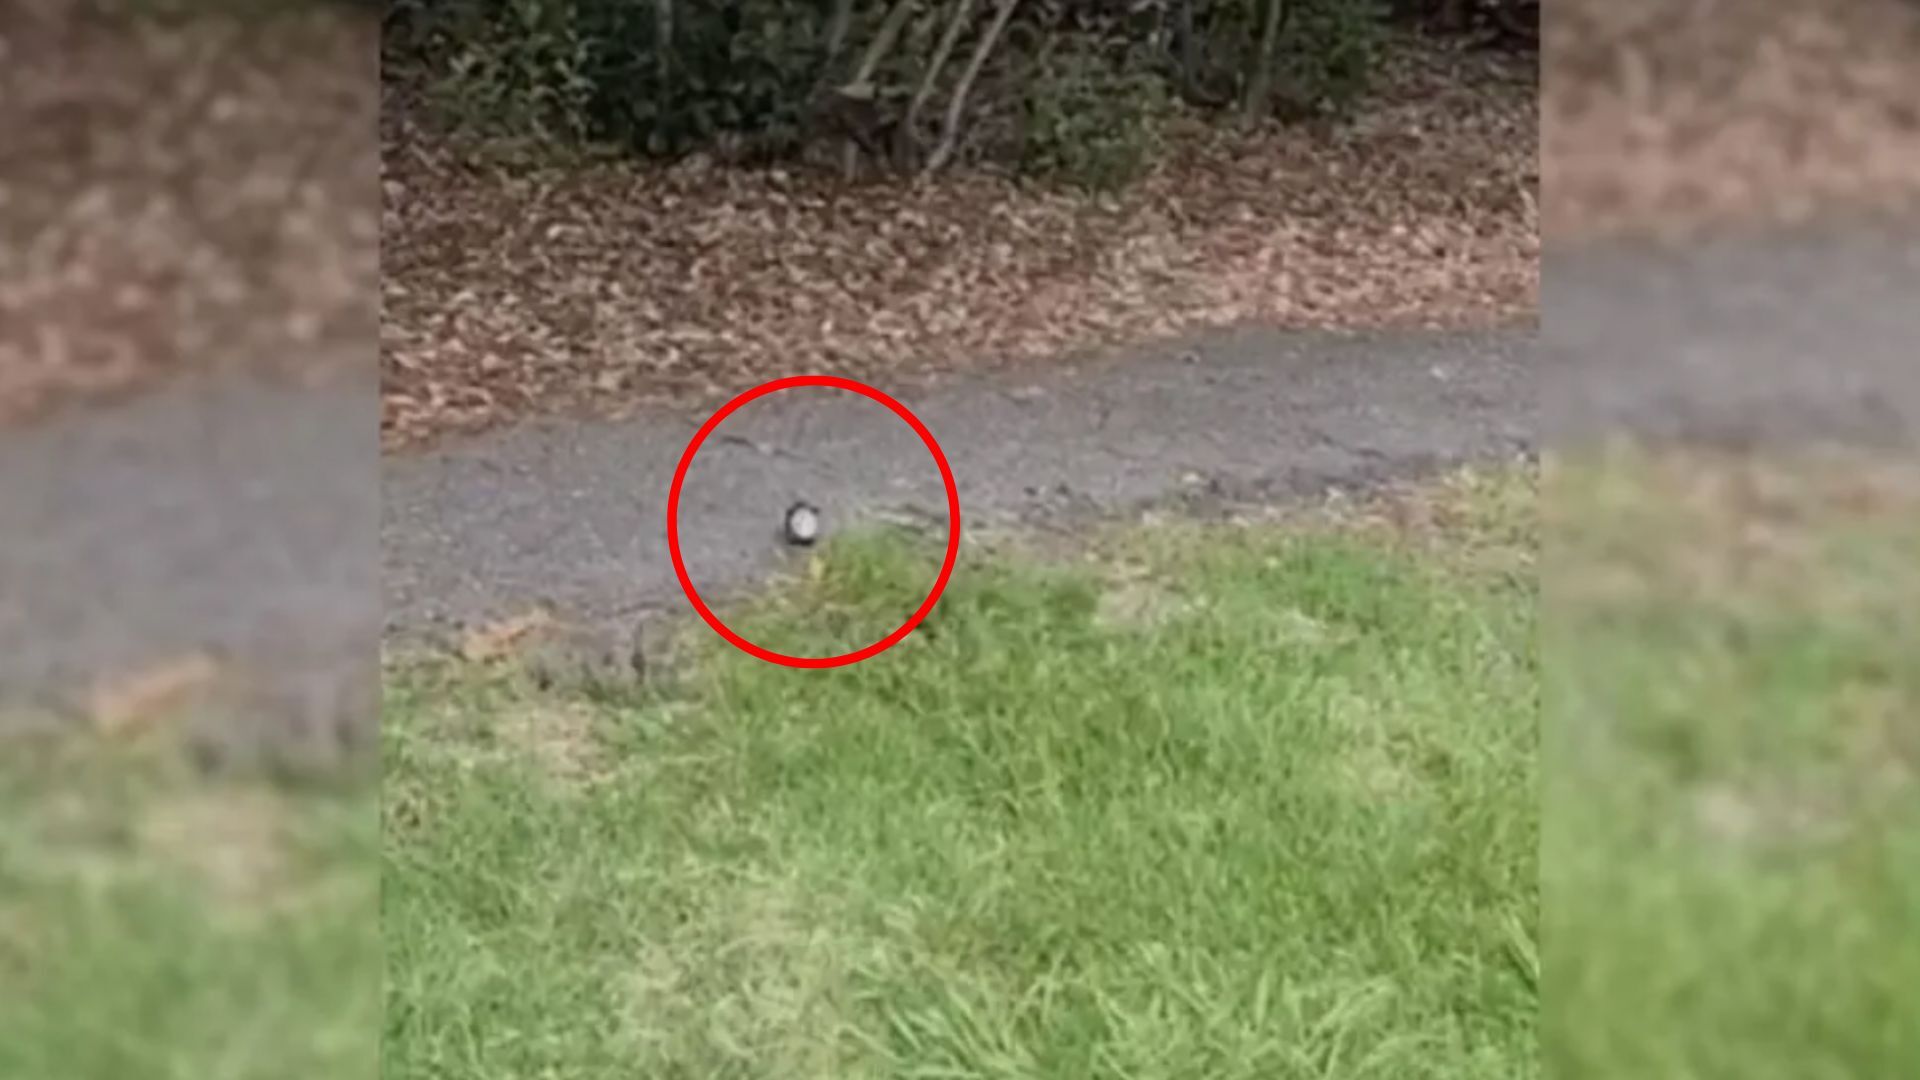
[191,198]
[1732,723]
[188,571]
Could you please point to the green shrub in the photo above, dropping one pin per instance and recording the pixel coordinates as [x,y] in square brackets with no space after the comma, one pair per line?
[1091,122]
[1084,82]
[527,72]
[1327,52]
[594,71]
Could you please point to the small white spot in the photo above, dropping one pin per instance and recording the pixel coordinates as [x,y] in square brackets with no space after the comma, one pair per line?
[803,524]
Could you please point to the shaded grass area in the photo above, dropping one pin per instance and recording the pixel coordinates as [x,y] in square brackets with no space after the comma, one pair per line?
[1731,859]
[1208,802]
[155,925]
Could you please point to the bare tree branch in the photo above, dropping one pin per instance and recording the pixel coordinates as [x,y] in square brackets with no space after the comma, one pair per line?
[1259,95]
[852,105]
[1189,47]
[957,104]
[910,127]
[882,42]
[837,27]
[663,42]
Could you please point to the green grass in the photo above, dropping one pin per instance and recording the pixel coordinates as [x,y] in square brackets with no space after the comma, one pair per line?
[1731,857]
[160,927]
[1208,802]
[1212,803]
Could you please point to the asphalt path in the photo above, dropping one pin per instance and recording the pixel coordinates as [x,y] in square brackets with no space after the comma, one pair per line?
[259,523]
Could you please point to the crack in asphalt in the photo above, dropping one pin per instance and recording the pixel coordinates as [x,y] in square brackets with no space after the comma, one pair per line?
[764,449]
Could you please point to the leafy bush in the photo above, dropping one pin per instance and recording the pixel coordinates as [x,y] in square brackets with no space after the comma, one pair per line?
[596,70]
[1091,122]
[527,71]
[1322,59]
[1327,51]
[1090,80]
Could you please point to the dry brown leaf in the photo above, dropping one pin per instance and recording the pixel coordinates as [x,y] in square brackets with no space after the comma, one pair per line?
[131,704]
[496,640]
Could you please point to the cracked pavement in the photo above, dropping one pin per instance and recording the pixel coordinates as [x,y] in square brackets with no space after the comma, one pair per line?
[258,521]
[572,516]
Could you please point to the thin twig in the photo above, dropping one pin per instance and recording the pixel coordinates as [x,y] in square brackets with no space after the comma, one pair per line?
[957,105]
[910,127]
[861,85]
[882,43]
